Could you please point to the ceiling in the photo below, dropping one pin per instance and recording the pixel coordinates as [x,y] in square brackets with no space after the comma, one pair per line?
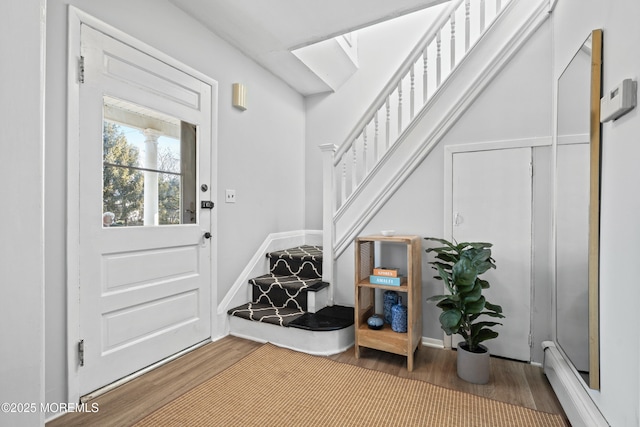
[267,31]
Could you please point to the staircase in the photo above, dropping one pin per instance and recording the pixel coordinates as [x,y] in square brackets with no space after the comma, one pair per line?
[289,306]
[406,122]
[450,67]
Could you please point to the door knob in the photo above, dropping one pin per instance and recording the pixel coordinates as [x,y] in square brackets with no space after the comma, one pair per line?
[207,235]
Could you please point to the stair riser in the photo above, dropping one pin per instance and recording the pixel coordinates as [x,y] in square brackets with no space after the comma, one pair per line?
[320,343]
[286,267]
[278,297]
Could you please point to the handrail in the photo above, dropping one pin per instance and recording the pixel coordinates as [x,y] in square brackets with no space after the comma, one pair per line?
[402,71]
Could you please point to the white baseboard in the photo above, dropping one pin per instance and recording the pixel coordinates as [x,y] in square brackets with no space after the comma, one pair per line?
[574,398]
[320,343]
[432,342]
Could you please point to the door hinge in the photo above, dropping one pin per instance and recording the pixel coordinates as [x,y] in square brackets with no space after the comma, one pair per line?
[81,69]
[531,168]
[81,352]
[530,341]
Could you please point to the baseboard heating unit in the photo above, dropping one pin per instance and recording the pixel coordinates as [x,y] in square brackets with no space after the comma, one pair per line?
[574,398]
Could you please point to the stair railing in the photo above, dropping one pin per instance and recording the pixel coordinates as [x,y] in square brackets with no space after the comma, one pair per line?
[347,166]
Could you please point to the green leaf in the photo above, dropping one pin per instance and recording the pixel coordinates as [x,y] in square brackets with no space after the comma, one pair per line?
[483,335]
[446,267]
[483,283]
[485,313]
[493,307]
[464,272]
[437,298]
[445,277]
[480,245]
[450,321]
[481,255]
[475,306]
[447,304]
[443,241]
[450,259]
[476,327]
[484,266]
[473,295]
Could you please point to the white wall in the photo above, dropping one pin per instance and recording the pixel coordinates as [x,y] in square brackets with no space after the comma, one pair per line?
[260,151]
[508,109]
[619,397]
[22,242]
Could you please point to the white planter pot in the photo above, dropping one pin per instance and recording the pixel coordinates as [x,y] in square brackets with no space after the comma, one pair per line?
[473,367]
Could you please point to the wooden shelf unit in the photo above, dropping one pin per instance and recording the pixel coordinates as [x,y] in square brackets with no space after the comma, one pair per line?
[386,339]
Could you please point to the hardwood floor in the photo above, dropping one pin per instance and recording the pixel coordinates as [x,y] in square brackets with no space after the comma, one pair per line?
[512,382]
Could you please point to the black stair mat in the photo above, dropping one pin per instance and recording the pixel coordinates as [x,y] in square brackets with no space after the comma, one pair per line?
[328,319]
[302,253]
[292,283]
[266,313]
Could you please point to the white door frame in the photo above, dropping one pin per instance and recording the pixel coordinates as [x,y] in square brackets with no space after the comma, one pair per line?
[76,18]
[449,151]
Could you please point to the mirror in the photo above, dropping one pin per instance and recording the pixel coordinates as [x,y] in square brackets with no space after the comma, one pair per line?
[578,209]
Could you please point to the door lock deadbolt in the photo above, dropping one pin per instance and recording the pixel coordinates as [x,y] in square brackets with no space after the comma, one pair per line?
[204,187]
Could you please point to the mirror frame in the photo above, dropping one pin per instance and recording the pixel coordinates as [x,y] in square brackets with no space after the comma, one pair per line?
[595,132]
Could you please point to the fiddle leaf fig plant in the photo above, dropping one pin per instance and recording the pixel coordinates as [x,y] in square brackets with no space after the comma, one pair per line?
[459,266]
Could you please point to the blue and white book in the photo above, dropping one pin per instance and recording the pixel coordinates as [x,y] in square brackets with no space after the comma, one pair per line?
[389,281]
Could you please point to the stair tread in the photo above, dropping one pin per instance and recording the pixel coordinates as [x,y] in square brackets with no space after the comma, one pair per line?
[302,253]
[265,313]
[328,319]
[291,283]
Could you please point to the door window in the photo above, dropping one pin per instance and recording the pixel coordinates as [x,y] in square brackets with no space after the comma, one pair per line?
[149,167]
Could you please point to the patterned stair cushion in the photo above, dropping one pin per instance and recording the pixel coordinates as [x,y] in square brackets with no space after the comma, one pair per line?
[265,313]
[303,261]
[284,291]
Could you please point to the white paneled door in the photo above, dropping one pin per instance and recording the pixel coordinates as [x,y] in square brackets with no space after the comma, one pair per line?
[145,248]
[491,202]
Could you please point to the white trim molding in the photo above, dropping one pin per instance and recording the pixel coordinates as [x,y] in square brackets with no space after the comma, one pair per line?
[452,149]
[76,18]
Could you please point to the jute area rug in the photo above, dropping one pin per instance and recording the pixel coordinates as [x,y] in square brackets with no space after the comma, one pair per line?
[278,387]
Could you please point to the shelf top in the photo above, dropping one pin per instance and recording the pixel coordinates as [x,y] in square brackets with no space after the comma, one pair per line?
[394,238]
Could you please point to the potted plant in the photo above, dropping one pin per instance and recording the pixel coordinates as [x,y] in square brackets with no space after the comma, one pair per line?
[459,267]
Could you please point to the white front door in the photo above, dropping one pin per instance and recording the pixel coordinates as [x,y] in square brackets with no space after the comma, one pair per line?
[145,167]
[491,202]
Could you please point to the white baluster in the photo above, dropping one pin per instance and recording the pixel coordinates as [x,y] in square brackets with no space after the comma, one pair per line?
[375,137]
[498,6]
[482,15]
[467,25]
[388,107]
[354,169]
[453,40]
[344,180]
[438,58]
[425,76]
[399,107]
[412,95]
[364,151]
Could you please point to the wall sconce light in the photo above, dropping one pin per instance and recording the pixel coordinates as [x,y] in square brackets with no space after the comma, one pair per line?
[239,96]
